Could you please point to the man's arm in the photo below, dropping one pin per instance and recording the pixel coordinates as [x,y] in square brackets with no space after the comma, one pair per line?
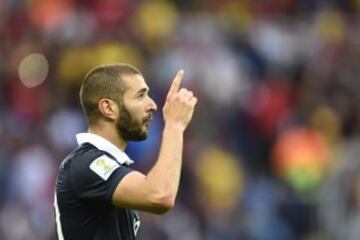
[157,191]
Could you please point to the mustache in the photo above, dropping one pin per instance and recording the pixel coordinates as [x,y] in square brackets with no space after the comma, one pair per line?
[149,118]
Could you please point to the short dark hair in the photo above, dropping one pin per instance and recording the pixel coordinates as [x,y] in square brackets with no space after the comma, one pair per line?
[105,81]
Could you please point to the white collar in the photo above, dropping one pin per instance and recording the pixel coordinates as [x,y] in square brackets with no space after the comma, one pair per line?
[104,145]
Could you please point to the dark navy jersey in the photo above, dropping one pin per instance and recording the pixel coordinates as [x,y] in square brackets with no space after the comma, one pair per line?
[83,205]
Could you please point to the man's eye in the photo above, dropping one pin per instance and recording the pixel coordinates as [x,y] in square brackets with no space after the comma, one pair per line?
[141,95]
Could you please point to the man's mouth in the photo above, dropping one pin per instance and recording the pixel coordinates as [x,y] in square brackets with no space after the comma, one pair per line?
[148,119]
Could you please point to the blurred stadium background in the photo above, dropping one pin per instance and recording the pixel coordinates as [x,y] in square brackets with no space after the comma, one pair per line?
[273,150]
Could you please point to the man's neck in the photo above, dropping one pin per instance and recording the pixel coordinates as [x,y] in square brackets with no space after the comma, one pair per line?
[109,133]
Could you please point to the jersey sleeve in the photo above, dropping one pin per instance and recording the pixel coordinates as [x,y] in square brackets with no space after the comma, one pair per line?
[95,176]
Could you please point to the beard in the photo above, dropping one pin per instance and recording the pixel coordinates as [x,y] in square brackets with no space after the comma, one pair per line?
[129,128]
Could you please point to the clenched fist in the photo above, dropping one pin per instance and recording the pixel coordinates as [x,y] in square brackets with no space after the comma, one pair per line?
[179,106]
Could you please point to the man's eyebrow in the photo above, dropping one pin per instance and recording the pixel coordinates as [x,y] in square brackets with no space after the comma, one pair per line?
[145,89]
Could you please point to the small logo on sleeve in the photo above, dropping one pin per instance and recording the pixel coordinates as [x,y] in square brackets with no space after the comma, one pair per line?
[104,166]
[136,223]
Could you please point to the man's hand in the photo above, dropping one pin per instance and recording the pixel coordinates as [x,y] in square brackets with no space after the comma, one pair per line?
[179,106]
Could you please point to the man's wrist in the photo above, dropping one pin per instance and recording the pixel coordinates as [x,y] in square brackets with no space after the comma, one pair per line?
[174,127]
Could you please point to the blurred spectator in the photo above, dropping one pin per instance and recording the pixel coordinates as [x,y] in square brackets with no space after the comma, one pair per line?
[301,157]
[339,201]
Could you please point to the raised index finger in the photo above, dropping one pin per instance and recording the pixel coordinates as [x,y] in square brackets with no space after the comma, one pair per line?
[175,86]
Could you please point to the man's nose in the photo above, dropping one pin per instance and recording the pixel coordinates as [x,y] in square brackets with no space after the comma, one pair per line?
[152,105]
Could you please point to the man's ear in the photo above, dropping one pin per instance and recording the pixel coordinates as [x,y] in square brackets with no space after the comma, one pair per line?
[108,108]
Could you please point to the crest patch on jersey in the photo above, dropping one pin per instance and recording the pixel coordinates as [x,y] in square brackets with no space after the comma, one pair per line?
[104,166]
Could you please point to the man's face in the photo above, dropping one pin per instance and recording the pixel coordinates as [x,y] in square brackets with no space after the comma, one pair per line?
[136,109]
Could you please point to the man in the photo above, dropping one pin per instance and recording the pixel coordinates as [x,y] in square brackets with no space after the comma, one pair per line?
[96,191]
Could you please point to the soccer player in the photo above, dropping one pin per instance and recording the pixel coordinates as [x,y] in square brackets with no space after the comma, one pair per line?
[97,193]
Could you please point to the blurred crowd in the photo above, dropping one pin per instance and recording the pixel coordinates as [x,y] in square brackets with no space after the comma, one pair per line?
[273,149]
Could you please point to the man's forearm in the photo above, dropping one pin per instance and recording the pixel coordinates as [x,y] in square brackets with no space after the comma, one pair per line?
[165,175]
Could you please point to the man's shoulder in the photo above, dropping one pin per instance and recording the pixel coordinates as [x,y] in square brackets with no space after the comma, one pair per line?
[83,154]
